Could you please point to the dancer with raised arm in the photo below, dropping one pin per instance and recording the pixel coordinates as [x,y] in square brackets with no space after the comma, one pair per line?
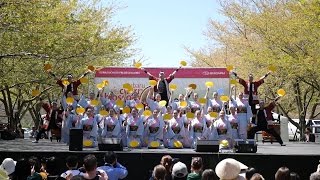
[162,86]
[251,91]
[263,115]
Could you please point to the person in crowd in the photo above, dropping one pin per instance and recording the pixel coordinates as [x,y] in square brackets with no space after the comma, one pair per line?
[294,176]
[208,118]
[244,114]
[153,130]
[251,91]
[215,103]
[9,166]
[112,125]
[230,169]
[208,174]
[309,137]
[223,128]
[37,172]
[257,176]
[22,169]
[162,86]
[50,167]
[159,173]
[112,167]
[283,173]
[175,130]
[263,115]
[179,171]
[89,126]
[315,176]
[234,122]
[90,166]
[134,129]
[72,165]
[194,104]
[196,169]
[198,128]
[153,103]
[250,172]
[133,101]
[167,162]
[187,138]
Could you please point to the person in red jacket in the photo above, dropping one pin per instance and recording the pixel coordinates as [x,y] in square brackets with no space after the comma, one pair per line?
[73,84]
[251,91]
[264,115]
[162,86]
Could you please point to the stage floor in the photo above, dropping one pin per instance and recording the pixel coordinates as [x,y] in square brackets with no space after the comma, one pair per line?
[44,145]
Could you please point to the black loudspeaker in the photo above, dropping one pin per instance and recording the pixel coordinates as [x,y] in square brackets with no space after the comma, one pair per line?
[76,139]
[207,146]
[245,146]
[110,144]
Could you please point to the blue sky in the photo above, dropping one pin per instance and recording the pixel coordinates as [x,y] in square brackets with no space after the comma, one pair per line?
[163,27]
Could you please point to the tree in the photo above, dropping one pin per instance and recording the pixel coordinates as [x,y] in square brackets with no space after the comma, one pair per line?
[284,34]
[70,35]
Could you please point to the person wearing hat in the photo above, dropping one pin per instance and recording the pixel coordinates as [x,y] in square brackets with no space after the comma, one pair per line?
[162,86]
[73,84]
[230,169]
[179,171]
[264,114]
[8,165]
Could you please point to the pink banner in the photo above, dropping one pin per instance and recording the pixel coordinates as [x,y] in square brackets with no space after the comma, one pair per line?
[131,72]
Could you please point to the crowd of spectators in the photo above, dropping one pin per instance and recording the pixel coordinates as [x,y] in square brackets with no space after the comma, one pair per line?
[169,168]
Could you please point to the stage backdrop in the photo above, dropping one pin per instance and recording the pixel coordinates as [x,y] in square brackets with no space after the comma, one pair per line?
[117,76]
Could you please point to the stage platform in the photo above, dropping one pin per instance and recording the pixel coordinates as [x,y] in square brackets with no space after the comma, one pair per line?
[302,158]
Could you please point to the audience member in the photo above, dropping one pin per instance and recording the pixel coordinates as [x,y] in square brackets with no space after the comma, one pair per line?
[9,166]
[250,172]
[159,173]
[208,174]
[36,173]
[90,166]
[52,168]
[315,176]
[283,173]
[196,169]
[257,176]
[229,169]
[3,174]
[72,164]
[22,170]
[112,167]
[179,171]
[167,162]
[294,176]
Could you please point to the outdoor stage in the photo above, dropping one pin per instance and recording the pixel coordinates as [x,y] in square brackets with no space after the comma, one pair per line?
[302,158]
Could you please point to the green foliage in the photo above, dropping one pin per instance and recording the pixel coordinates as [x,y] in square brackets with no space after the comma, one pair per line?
[70,35]
[281,33]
